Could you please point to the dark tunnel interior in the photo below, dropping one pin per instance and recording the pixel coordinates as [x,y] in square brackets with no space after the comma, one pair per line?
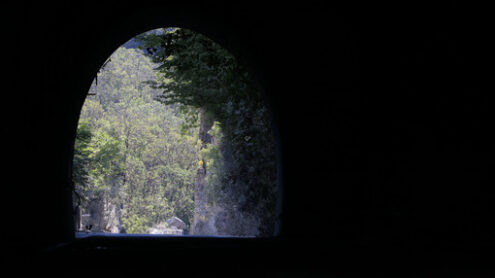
[382,119]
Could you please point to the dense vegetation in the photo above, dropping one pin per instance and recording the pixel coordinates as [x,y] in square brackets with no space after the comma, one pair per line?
[131,151]
[194,141]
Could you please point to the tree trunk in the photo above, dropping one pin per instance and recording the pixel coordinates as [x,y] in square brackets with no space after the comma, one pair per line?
[200,213]
[77,218]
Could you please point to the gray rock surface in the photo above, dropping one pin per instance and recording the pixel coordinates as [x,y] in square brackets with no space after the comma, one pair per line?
[176,222]
[164,229]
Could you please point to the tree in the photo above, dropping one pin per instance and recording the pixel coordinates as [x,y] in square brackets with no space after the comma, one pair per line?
[196,72]
[134,160]
[194,141]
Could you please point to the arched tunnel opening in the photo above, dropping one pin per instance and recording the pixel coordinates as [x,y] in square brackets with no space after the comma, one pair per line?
[174,138]
[382,119]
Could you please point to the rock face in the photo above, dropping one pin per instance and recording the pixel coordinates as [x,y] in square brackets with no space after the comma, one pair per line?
[101,218]
[165,229]
[93,220]
[175,222]
[77,218]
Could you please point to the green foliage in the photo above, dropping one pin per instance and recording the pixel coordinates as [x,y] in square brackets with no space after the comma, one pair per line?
[135,224]
[195,71]
[139,144]
[131,151]
[190,116]
[82,152]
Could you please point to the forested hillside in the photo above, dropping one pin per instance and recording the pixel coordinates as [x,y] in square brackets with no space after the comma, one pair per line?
[180,131]
[134,162]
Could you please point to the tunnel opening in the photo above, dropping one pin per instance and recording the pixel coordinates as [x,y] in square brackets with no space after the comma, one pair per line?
[174,138]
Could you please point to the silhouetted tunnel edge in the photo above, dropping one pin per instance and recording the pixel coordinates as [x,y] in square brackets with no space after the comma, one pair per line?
[111,42]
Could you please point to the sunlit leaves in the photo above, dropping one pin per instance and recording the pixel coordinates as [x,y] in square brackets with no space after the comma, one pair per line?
[195,71]
[132,151]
